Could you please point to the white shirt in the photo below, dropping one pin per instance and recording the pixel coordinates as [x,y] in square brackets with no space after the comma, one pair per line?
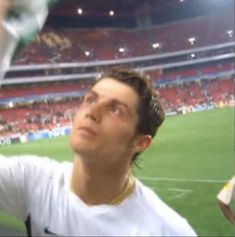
[227,194]
[37,190]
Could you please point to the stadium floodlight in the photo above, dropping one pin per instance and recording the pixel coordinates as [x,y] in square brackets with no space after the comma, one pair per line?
[229,33]
[192,55]
[155,45]
[121,50]
[191,40]
[87,53]
[111,13]
[80,11]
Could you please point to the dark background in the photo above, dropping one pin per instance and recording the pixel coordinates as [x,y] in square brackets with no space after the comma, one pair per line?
[129,12]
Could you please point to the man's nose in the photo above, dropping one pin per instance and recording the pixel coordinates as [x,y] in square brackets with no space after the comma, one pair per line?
[94,112]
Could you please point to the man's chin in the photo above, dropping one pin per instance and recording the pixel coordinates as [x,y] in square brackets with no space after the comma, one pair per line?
[79,143]
[83,150]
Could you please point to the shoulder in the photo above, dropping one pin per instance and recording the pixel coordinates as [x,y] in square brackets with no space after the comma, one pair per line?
[31,165]
[152,201]
[35,171]
[28,160]
[160,214]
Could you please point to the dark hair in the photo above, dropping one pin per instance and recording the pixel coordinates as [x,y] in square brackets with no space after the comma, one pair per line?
[150,110]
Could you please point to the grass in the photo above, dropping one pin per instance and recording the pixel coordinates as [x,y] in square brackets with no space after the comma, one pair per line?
[187,165]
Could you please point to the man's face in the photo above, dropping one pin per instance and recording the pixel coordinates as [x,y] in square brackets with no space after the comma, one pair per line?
[104,125]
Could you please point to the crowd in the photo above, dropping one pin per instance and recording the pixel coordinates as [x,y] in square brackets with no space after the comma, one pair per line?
[105,44]
[49,114]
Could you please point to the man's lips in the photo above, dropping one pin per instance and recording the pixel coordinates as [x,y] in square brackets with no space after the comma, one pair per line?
[87,130]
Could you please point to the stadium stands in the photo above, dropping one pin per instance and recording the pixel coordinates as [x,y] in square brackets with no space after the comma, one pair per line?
[105,44]
[189,85]
[47,115]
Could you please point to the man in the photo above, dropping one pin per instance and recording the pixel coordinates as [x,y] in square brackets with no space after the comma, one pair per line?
[97,194]
[225,197]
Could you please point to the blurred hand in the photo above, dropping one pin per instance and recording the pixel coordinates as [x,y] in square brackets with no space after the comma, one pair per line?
[3,8]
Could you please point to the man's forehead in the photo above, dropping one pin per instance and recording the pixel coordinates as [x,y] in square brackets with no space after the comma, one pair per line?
[108,97]
[111,89]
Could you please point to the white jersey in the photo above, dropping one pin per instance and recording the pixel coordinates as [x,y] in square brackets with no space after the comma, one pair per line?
[37,191]
[227,194]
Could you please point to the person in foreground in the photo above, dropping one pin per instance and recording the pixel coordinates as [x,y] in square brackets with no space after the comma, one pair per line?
[97,194]
[225,197]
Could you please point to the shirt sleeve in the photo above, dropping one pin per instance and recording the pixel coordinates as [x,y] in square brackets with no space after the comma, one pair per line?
[19,175]
[12,187]
[227,192]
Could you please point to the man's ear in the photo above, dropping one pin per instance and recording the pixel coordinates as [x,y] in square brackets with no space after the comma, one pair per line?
[142,142]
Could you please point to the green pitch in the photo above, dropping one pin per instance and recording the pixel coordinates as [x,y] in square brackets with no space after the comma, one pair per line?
[188,163]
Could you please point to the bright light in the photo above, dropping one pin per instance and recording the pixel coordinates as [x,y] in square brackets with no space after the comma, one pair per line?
[192,40]
[192,55]
[87,53]
[121,50]
[11,104]
[80,11]
[155,45]
[229,33]
[181,0]
[111,13]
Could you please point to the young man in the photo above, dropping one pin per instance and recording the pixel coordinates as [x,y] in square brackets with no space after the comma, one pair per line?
[225,197]
[97,194]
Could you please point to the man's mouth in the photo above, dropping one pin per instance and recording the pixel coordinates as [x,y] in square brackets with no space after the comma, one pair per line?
[87,130]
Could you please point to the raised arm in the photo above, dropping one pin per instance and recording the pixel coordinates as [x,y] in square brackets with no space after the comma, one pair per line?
[224,199]
[226,211]
[12,187]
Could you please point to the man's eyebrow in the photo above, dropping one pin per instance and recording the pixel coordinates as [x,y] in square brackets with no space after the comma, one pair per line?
[113,100]
[92,92]
[116,101]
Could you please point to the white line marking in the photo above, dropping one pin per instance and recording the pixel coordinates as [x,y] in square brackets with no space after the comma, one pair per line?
[183,180]
[177,192]
[180,192]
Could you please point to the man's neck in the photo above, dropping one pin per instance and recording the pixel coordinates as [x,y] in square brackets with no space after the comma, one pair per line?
[97,186]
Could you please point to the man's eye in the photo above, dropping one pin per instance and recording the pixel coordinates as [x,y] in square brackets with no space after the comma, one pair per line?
[89,99]
[115,110]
